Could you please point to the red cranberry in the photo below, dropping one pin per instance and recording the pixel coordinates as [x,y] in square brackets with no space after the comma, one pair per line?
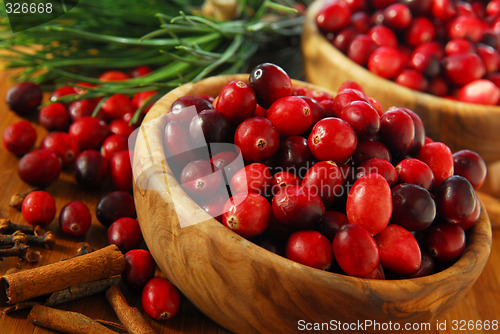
[413,207]
[200,180]
[355,250]
[397,16]
[397,130]
[439,158]
[380,166]
[332,139]
[458,46]
[317,110]
[257,138]
[383,36]
[140,71]
[438,87]
[416,172]
[412,79]
[349,84]
[324,179]
[489,56]
[89,132]
[369,149]
[362,117]
[386,62]
[116,106]
[310,248]
[443,9]
[210,126]
[75,219]
[361,48]
[425,63]
[39,167]
[120,170]
[110,76]
[462,69]
[125,232]
[91,169]
[297,207]
[343,39]
[421,30]
[360,21]
[19,137]
[62,91]
[236,101]
[247,214]
[24,97]
[254,178]
[481,92]
[81,108]
[141,98]
[369,203]
[223,161]
[39,208]
[398,250]
[357,5]
[419,138]
[270,82]
[115,205]
[139,268]
[345,97]
[283,179]
[112,145]
[294,155]
[455,199]
[160,299]
[179,110]
[331,222]
[334,16]
[290,115]
[470,165]
[445,242]
[63,145]
[466,27]
[54,117]
[121,127]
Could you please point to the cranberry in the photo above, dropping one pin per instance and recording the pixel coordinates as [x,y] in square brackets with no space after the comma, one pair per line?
[144,100]
[369,203]
[19,137]
[257,138]
[290,115]
[116,106]
[470,165]
[481,92]
[63,145]
[270,82]
[115,205]
[223,161]
[344,38]
[62,91]
[24,97]
[160,299]
[369,149]
[125,232]
[397,16]
[297,207]
[387,62]
[361,48]
[140,71]
[120,170]
[380,166]
[324,179]
[110,76]
[413,207]
[139,268]
[283,179]
[455,199]
[416,172]
[210,126]
[89,132]
[412,79]
[360,21]
[121,127]
[75,219]
[397,130]
[112,145]
[489,56]
[332,139]
[179,110]
[254,178]
[445,242]
[236,101]
[39,208]
[347,96]
[443,9]
[469,222]
[420,7]
[294,155]
[39,167]
[355,250]
[81,108]
[419,138]
[331,222]
[439,158]
[310,248]
[349,84]
[459,46]
[426,267]
[383,36]
[378,273]
[91,169]
[317,110]
[334,16]
[247,214]
[426,63]
[438,87]
[357,5]
[421,30]
[381,4]
[54,117]
[200,180]
[398,250]
[462,69]
[362,117]
[466,27]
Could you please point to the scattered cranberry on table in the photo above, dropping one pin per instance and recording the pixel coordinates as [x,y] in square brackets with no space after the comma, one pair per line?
[19,137]
[75,219]
[160,299]
[125,232]
[139,268]
[39,208]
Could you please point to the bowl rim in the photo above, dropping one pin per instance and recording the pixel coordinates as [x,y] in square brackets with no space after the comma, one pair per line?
[310,27]
[468,261]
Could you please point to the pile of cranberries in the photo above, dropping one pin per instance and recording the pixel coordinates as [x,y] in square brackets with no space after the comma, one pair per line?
[447,48]
[95,150]
[334,183]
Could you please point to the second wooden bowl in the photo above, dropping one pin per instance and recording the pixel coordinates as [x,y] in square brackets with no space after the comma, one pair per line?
[248,289]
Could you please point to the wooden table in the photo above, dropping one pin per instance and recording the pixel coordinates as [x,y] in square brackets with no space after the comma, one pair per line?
[482,302]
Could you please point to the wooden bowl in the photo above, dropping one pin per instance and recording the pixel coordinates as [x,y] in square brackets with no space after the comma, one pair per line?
[459,125]
[248,289]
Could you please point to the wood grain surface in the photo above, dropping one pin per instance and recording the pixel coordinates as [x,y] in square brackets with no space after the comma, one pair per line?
[480,304]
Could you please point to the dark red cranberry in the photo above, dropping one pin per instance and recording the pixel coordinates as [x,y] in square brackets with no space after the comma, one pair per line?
[200,179]
[254,178]
[362,117]
[480,92]
[160,299]
[91,169]
[361,48]
[445,242]
[324,179]
[369,149]
[380,166]
[470,165]
[24,97]
[270,82]
[210,126]
[397,131]
[19,137]
[419,7]
[39,167]
[387,62]
[39,208]
[140,71]
[297,207]
[413,207]
[115,205]
[257,138]
[125,232]
[139,268]
[427,266]
[247,214]
[54,117]
[120,170]
[331,222]
[112,145]
[438,87]
[180,111]
[236,101]
[75,219]
[310,248]
[294,155]
[81,108]
[360,21]
[455,199]
[223,161]
[116,106]
[439,158]
[290,115]
[416,172]
[462,69]
[344,38]
[121,127]
[419,138]
[332,139]
[334,16]
[63,145]
[89,132]
[214,206]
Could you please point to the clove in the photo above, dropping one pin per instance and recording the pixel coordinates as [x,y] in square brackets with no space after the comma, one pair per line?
[8,227]
[18,250]
[11,239]
[32,256]
[46,240]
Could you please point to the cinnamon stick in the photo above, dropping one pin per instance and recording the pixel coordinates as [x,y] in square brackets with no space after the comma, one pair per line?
[24,285]
[66,321]
[129,316]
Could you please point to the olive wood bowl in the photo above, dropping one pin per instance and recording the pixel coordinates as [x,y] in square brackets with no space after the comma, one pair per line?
[248,289]
[459,125]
